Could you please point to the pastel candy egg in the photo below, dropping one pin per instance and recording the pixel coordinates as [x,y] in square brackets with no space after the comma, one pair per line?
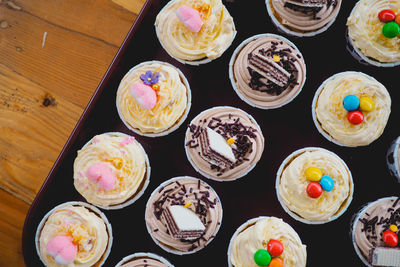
[62,249]
[144,95]
[366,104]
[386,15]
[190,17]
[313,174]
[327,183]
[102,175]
[314,190]
[351,103]
[391,29]
[355,117]
[262,257]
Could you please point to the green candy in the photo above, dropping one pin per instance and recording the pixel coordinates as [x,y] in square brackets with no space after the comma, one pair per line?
[391,29]
[262,257]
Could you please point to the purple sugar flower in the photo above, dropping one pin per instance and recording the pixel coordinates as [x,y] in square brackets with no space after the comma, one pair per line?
[150,78]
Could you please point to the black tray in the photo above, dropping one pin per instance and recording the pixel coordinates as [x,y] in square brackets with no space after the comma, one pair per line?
[285,129]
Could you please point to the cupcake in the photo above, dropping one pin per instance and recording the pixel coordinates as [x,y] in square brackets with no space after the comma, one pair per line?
[314,185]
[375,232]
[196,31]
[153,98]
[183,215]
[143,259]
[267,71]
[303,18]
[373,32]
[266,241]
[112,170]
[392,158]
[74,234]
[351,109]
[224,143]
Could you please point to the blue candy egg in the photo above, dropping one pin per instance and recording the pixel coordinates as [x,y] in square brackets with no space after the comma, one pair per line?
[351,102]
[327,183]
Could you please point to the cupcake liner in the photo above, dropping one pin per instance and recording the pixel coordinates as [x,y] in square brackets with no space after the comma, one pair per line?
[144,186]
[314,103]
[353,224]
[294,215]
[359,56]
[287,31]
[189,62]
[392,158]
[91,208]
[232,62]
[205,174]
[143,254]
[183,117]
[168,249]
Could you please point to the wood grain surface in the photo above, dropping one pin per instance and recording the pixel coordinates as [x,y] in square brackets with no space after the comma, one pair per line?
[53,55]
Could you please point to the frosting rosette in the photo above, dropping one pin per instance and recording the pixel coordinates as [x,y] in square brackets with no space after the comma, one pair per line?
[365,32]
[303,17]
[215,36]
[292,183]
[141,259]
[168,88]
[255,235]
[87,229]
[111,171]
[331,117]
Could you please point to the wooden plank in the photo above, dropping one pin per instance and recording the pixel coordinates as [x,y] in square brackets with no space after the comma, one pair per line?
[12,216]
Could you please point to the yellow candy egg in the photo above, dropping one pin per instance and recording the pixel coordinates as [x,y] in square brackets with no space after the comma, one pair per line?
[366,104]
[393,228]
[230,141]
[313,174]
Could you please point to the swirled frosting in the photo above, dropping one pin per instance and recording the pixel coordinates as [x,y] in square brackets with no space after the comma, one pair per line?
[127,160]
[172,99]
[293,183]
[86,228]
[204,202]
[365,29]
[256,236]
[144,262]
[211,41]
[218,116]
[332,117]
[255,87]
[304,19]
[373,221]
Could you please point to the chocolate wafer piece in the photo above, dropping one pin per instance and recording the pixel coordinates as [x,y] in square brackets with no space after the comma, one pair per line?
[266,67]
[385,256]
[183,223]
[308,3]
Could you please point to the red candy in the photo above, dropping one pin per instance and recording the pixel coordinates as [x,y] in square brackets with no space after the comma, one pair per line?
[275,247]
[355,117]
[390,238]
[386,15]
[314,190]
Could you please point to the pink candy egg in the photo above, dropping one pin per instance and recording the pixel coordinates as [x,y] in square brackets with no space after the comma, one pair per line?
[102,175]
[190,17]
[62,249]
[144,95]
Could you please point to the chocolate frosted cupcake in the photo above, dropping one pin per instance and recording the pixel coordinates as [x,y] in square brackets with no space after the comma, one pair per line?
[224,143]
[351,109]
[303,17]
[267,71]
[141,259]
[74,234]
[183,215]
[373,32]
[112,170]
[375,232]
[392,158]
[314,185]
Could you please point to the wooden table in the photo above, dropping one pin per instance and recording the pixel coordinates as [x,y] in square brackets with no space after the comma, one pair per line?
[53,55]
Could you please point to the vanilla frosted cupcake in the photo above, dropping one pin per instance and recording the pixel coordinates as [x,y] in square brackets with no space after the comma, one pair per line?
[74,234]
[143,260]
[375,35]
[224,143]
[266,241]
[267,71]
[195,31]
[153,98]
[183,215]
[351,109]
[303,17]
[392,158]
[112,170]
[314,185]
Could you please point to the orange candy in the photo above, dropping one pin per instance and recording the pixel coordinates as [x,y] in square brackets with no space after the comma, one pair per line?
[276,262]
[397,19]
